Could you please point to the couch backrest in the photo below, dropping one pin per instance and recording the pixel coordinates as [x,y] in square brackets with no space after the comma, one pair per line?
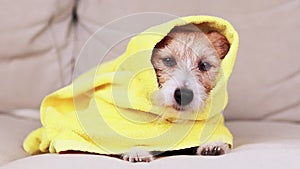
[265,83]
[36,45]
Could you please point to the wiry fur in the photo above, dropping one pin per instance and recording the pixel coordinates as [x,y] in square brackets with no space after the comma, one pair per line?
[188,49]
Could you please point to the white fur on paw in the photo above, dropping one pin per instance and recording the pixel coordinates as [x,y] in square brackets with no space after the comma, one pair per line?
[137,155]
[213,149]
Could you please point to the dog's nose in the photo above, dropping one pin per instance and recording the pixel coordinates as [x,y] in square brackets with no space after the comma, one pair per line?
[183,96]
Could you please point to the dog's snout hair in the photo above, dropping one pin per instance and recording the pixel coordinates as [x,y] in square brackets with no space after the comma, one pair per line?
[187,63]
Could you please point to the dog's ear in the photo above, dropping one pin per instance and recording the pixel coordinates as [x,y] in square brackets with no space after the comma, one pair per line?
[219,42]
[164,42]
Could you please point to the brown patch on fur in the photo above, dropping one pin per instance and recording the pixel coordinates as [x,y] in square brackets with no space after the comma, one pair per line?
[207,82]
[166,40]
[160,78]
[219,42]
[182,44]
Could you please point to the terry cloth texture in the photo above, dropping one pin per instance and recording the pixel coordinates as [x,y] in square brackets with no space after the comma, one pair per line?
[109,109]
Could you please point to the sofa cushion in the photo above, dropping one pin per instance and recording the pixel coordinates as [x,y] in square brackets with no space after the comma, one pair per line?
[266,75]
[36,39]
[257,145]
[266,80]
[13,130]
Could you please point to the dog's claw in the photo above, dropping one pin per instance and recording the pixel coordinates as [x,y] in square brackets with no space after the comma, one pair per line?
[213,149]
[137,155]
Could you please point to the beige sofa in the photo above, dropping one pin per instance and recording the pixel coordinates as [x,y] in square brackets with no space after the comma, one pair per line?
[40,42]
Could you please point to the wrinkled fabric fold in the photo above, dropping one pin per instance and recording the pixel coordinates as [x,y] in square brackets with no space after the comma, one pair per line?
[109,109]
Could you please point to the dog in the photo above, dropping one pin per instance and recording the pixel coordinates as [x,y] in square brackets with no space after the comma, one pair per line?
[187,62]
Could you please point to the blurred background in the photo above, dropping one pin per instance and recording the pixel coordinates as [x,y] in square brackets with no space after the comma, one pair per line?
[40,41]
[41,44]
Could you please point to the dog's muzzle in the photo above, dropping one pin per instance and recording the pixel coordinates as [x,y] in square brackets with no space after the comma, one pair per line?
[183,96]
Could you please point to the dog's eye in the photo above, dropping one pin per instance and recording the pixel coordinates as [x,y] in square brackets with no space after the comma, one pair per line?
[169,61]
[204,66]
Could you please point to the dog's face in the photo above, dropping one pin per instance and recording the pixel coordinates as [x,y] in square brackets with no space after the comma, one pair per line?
[187,63]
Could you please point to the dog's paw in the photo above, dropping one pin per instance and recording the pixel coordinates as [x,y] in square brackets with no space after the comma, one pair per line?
[137,155]
[213,149]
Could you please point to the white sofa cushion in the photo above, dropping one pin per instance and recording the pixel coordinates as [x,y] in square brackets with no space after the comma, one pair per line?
[258,144]
[257,157]
[13,131]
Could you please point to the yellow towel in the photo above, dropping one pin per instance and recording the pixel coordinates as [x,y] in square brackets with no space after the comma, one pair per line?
[109,110]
